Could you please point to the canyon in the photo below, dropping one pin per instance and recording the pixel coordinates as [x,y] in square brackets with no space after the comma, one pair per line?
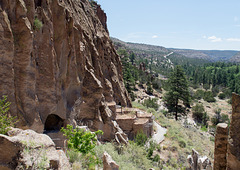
[59,66]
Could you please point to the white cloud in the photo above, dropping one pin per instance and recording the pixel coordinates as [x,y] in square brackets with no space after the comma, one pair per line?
[204,36]
[155,36]
[233,39]
[236,19]
[214,39]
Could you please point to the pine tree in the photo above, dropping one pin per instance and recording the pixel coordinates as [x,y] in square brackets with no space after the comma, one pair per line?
[178,91]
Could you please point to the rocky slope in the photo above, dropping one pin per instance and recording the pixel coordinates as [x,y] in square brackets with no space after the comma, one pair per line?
[58,65]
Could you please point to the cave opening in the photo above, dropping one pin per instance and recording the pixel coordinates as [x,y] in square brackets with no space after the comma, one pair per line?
[38,3]
[53,123]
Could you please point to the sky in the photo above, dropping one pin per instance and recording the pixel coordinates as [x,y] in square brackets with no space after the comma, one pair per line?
[188,24]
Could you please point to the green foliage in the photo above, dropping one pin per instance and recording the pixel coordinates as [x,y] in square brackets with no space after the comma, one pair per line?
[199,94]
[208,96]
[215,91]
[84,142]
[37,24]
[222,96]
[204,128]
[6,120]
[217,117]
[80,140]
[178,91]
[141,138]
[225,118]
[218,75]
[149,89]
[199,114]
[132,156]
[151,103]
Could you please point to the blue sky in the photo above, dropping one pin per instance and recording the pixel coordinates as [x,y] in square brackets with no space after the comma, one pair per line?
[189,24]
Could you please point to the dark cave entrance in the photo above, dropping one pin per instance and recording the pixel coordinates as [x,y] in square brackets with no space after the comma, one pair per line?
[38,3]
[53,123]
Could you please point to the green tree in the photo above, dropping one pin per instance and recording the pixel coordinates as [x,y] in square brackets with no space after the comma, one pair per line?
[199,114]
[6,120]
[178,91]
[80,140]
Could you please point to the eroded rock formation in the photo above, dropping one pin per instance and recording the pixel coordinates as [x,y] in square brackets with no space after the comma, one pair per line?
[221,140]
[109,163]
[57,60]
[227,140]
[26,149]
[233,154]
[198,163]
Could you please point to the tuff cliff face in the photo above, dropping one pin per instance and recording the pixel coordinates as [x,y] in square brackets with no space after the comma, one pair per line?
[63,70]
[227,140]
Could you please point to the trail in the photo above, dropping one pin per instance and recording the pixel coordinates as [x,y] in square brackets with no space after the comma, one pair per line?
[169,61]
[158,137]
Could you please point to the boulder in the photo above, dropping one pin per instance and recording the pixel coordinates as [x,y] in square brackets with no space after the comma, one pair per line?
[198,163]
[24,149]
[109,163]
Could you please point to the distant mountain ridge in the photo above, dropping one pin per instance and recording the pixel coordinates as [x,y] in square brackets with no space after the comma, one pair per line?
[235,58]
[210,55]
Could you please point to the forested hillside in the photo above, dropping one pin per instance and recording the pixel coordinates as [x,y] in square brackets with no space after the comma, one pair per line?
[210,55]
[218,75]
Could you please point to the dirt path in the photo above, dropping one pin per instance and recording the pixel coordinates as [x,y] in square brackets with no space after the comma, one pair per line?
[158,137]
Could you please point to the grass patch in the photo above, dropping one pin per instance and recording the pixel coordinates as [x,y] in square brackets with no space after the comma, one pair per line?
[132,156]
[37,24]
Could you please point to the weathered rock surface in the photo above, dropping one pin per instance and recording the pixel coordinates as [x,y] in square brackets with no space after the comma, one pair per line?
[64,69]
[220,152]
[198,163]
[23,149]
[109,163]
[233,155]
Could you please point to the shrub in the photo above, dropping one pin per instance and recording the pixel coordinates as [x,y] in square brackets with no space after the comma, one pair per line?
[199,94]
[225,118]
[6,120]
[80,140]
[208,96]
[37,24]
[149,89]
[199,114]
[182,144]
[215,91]
[204,128]
[141,138]
[152,103]
[198,111]
[227,92]
[206,86]
[217,117]
[222,96]
[83,142]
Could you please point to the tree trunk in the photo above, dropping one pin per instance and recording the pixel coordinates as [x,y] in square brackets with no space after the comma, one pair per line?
[176,111]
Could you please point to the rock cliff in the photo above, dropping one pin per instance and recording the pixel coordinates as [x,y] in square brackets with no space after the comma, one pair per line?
[59,65]
[227,140]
